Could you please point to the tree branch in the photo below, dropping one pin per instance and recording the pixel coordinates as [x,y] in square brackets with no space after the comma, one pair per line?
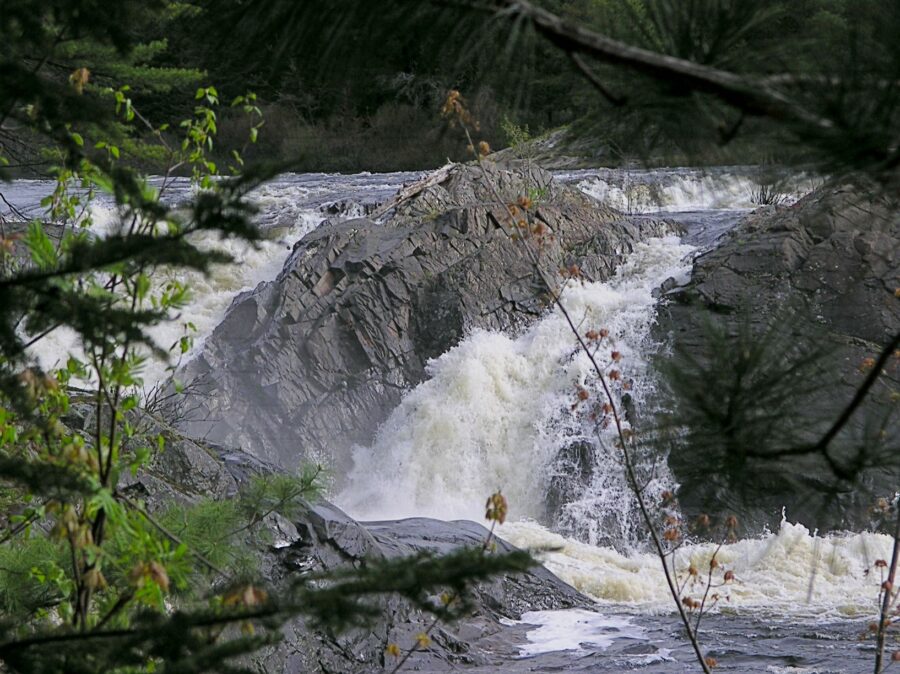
[822,446]
[616,101]
[753,96]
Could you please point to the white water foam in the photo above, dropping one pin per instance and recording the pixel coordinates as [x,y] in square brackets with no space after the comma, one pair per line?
[643,191]
[494,412]
[290,206]
[210,295]
[572,629]
[790,572]
[492,415]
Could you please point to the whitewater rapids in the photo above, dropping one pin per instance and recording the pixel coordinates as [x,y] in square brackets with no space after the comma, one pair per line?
[491,414]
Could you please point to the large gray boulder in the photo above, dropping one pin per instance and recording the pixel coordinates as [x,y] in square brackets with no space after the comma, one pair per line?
[827,271]
[308,365]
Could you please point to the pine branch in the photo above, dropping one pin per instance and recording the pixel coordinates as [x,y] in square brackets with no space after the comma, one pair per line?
[168,534]
[751,95]
[824,443]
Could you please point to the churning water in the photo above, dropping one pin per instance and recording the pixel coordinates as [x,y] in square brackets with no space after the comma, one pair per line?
[290,207]
[494,414]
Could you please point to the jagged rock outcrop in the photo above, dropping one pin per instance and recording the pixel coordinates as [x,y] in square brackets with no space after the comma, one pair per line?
[311,363]
[327,538]
[834,259]
[184,471]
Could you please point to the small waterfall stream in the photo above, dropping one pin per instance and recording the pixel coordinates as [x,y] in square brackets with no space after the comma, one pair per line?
[497,412]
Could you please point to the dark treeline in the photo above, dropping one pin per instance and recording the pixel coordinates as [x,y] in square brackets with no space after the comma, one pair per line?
[347,86]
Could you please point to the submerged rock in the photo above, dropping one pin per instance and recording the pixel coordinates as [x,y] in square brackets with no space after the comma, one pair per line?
[308,365]
[825,272]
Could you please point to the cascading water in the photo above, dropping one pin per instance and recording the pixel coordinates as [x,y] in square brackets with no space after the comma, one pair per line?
[290,206]
[210,295]
[687,189]
[496,410]
[791,573]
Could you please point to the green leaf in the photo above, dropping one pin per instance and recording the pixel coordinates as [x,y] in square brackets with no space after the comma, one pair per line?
[141,458]
[43,253]
[142,286]
[103,182]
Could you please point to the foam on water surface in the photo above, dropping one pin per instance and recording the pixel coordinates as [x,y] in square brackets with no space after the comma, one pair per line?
[677,190]
[290,207]
[210,295]
[573,630]
[788,572]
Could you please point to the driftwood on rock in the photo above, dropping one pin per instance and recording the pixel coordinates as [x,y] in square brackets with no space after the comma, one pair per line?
[408,192]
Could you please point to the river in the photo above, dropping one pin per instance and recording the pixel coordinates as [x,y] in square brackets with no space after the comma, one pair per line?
[489,417]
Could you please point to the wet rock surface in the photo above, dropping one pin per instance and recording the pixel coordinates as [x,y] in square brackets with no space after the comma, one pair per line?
[327,538]
[321,538]
[310,364]
[827,269]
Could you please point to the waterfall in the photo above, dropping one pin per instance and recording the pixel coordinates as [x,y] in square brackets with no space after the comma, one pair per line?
[496,413]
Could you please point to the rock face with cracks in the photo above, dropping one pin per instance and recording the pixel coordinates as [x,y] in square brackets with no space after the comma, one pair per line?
[825,271]
[308,365]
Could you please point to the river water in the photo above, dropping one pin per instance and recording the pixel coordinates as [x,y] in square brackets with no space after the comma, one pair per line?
[489,417]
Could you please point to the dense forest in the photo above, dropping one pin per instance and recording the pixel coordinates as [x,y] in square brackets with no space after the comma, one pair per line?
[343,87]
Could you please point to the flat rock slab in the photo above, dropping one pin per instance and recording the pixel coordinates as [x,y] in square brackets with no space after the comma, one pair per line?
[327,538]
